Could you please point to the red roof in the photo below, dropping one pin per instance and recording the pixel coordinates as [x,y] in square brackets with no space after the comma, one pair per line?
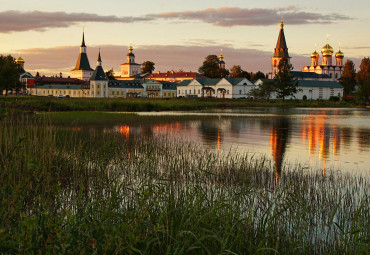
[174,75]
[58,80]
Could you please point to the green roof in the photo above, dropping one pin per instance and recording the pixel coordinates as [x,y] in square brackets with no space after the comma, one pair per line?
[184,83]
[319,84]
[234,81]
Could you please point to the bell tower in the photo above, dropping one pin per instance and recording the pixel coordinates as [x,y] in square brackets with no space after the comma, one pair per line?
[281,50]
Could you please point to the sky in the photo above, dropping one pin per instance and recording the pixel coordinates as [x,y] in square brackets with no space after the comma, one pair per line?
[179,34]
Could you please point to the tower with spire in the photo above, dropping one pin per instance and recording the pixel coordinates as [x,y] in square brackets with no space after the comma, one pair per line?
[221,63]
[82,70]
[98,81]
[130,68]
[281,50]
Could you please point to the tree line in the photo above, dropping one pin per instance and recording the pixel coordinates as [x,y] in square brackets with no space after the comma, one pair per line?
[211,68]
[9,75]
[350,78]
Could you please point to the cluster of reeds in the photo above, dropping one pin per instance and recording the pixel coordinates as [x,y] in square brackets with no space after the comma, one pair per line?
[149,104]
[65,191]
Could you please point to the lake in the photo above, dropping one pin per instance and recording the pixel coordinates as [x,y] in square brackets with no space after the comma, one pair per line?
[319,139]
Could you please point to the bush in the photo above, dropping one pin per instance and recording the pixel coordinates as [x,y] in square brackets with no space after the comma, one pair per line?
[334,98]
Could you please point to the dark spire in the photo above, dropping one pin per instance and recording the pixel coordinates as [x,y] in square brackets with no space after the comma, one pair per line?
[99,58]
[83,40]
[281,49]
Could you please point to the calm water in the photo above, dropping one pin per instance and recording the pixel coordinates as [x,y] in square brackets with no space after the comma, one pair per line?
[325,139]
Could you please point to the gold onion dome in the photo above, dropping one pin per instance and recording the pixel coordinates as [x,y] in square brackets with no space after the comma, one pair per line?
[19,60]
[339,54]
[327,50]
[130,48]
[315,54]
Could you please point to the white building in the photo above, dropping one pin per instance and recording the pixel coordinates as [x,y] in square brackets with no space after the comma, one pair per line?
[130,68]
[219,88]
[312,89]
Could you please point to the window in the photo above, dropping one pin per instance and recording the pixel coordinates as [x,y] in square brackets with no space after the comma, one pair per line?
[113,92]
[164,94]
[240,91]
[198,91]
[227,91]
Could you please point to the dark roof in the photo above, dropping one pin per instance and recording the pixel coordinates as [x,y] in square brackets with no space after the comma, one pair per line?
[208,81]
[319,84]
[136,83]
[82,63]
[312,75]
[184,83]
[281,49]
[172,74]
[234,81]
[57,80]
[58,86]
[98,74]
[83,40]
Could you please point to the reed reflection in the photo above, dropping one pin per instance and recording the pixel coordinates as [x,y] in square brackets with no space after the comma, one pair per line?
[279,135]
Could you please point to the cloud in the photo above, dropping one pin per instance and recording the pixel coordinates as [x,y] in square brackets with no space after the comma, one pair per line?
[15,21]
[166,58]
[234,16]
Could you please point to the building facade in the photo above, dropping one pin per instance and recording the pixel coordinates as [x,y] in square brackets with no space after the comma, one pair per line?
[217,87]
[130,68]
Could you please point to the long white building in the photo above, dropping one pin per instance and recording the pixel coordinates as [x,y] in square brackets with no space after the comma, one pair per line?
[218,87]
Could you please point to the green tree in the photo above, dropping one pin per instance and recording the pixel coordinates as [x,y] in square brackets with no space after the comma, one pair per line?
[9,74]
[264,90]
[363,78]
[348,79]
[147,67]
[110,74]
[237,72]
[258,75]
[283,80]
[211,69]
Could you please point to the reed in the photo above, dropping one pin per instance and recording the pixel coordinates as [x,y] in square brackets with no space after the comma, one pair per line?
[65,191]
[32,103]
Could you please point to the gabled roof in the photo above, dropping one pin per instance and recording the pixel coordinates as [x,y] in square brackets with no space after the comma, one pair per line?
[235,81]
[208,81]
[184,83]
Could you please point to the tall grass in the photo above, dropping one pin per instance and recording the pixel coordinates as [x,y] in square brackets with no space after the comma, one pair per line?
[34,103]
[64,191]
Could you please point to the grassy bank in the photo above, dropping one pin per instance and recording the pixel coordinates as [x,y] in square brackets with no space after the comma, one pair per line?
[144,104]
[64,191]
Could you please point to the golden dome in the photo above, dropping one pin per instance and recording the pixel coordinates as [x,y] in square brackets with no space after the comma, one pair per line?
[339,54]
[327,49]
[315,54]
[130,49]
[19,60]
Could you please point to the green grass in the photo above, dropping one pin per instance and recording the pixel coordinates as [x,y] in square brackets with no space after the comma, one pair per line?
[64,191]
[32,103]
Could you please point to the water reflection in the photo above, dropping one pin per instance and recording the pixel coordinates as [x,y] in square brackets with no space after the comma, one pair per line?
[279,137]
[322,138]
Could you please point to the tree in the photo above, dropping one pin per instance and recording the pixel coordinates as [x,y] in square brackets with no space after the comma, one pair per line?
[264,90]
[257,76]
[37,74]
[110,74]
[211,69]
[9,74]
[237,72]
[147,67]
[348,79]
[363,78]
[283,80]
